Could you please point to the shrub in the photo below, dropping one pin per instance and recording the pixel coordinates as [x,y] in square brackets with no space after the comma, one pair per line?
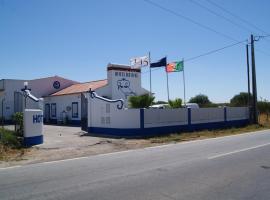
[177,103]
[18,121]
[240,99]
[202,100]
[143,101]
[9,138]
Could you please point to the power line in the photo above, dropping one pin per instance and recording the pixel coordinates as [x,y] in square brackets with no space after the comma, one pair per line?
[195,22]
[189,19]
[214,51]
[221,16]
[205,54]
[232,22]
[236,16]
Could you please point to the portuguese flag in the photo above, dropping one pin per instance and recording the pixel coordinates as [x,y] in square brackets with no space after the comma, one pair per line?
[175,66]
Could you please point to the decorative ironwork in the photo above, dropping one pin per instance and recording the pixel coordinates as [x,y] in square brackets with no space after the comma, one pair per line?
[120,102]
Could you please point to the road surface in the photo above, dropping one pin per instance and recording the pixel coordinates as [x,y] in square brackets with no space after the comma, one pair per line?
[233,167]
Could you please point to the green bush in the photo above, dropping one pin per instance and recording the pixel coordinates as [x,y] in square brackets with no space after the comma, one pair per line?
[143,101]
[202,100]
[240,99]
[18,121]
[177,103]
[9,138]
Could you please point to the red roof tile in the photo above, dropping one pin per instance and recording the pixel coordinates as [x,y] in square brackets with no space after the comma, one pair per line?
[81,87]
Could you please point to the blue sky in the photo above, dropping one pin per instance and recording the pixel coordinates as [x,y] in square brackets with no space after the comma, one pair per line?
[77,39]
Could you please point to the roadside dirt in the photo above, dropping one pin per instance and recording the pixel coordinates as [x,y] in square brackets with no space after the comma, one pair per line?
[70,142]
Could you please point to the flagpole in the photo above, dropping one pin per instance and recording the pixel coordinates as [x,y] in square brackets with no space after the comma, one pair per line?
[184,83]
[150,73]
[168,86]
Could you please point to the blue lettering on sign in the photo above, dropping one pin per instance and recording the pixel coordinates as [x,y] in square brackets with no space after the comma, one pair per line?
[37,119]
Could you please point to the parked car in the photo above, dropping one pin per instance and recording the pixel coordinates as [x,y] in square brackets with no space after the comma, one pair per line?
[159,106]
[191,105]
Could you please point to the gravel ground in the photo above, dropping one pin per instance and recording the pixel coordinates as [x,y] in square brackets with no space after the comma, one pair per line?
[61,142]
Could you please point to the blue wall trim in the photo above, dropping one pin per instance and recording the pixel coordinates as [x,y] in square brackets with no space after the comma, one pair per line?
[189,116]
[146,132]
[225,114]
[75,122]
[142,118]
[31,141]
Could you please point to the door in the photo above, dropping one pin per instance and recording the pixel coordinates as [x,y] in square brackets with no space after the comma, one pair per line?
[84,113]
[47,113]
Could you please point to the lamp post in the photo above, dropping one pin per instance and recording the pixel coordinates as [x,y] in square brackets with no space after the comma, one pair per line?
[24,93]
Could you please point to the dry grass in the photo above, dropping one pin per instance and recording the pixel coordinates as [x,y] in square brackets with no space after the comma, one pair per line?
[11,154]
[10,146]
[264,123]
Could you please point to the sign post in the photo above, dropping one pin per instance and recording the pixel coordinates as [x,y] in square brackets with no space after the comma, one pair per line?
[33,127]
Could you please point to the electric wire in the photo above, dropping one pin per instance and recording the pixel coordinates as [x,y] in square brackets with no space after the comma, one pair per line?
[236,16]
[221,16]
[203,54]
[189,19]
[196,23]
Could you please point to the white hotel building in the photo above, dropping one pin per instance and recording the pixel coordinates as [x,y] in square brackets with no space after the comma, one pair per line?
[62,97]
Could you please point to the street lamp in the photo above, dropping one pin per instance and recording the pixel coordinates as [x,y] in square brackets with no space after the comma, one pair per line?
[24,92]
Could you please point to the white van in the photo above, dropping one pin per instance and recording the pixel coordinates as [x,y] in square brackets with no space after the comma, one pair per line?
[191,105]
[159,106]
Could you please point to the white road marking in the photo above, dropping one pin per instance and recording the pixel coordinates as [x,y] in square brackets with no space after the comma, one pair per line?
[237,151]
[17,166]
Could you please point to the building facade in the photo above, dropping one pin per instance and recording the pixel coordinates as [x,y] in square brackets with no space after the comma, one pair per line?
[65,105]
[12,100]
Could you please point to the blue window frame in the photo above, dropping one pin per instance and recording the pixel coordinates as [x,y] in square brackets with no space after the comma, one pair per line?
[53,110]
[75,110]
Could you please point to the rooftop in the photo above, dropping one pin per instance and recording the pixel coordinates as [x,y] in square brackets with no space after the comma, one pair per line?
[81,87]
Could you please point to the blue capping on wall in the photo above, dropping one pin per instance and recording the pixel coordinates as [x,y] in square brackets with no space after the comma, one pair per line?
[53,121]
[189,116]
[31,141]
[225,114]
[142,118]
[75,122]
[155,131]
[7,122]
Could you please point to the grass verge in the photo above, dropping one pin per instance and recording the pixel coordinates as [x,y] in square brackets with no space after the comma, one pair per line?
[264,123]
[10,146]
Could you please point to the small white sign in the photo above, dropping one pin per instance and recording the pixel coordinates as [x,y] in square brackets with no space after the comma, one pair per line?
[139,62]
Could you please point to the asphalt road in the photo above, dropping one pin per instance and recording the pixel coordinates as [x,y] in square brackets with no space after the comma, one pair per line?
[235,167]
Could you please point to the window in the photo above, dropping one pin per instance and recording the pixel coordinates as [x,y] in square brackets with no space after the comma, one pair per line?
[75,111]
[53,110]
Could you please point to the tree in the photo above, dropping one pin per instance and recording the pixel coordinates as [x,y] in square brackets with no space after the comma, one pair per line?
[177,103]
[18,121]
[143,101]
[240,99]
[201,99]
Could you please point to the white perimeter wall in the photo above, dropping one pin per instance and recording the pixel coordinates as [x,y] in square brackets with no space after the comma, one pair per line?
[205,115]
[237,113]
[104,114]
[165,117]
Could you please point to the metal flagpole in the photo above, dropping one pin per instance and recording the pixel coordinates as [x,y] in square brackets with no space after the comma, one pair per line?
[168,86]
[150,73]
[184,82]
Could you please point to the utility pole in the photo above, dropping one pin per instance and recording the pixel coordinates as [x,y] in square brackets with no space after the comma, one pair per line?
[254,84]
[249,96]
